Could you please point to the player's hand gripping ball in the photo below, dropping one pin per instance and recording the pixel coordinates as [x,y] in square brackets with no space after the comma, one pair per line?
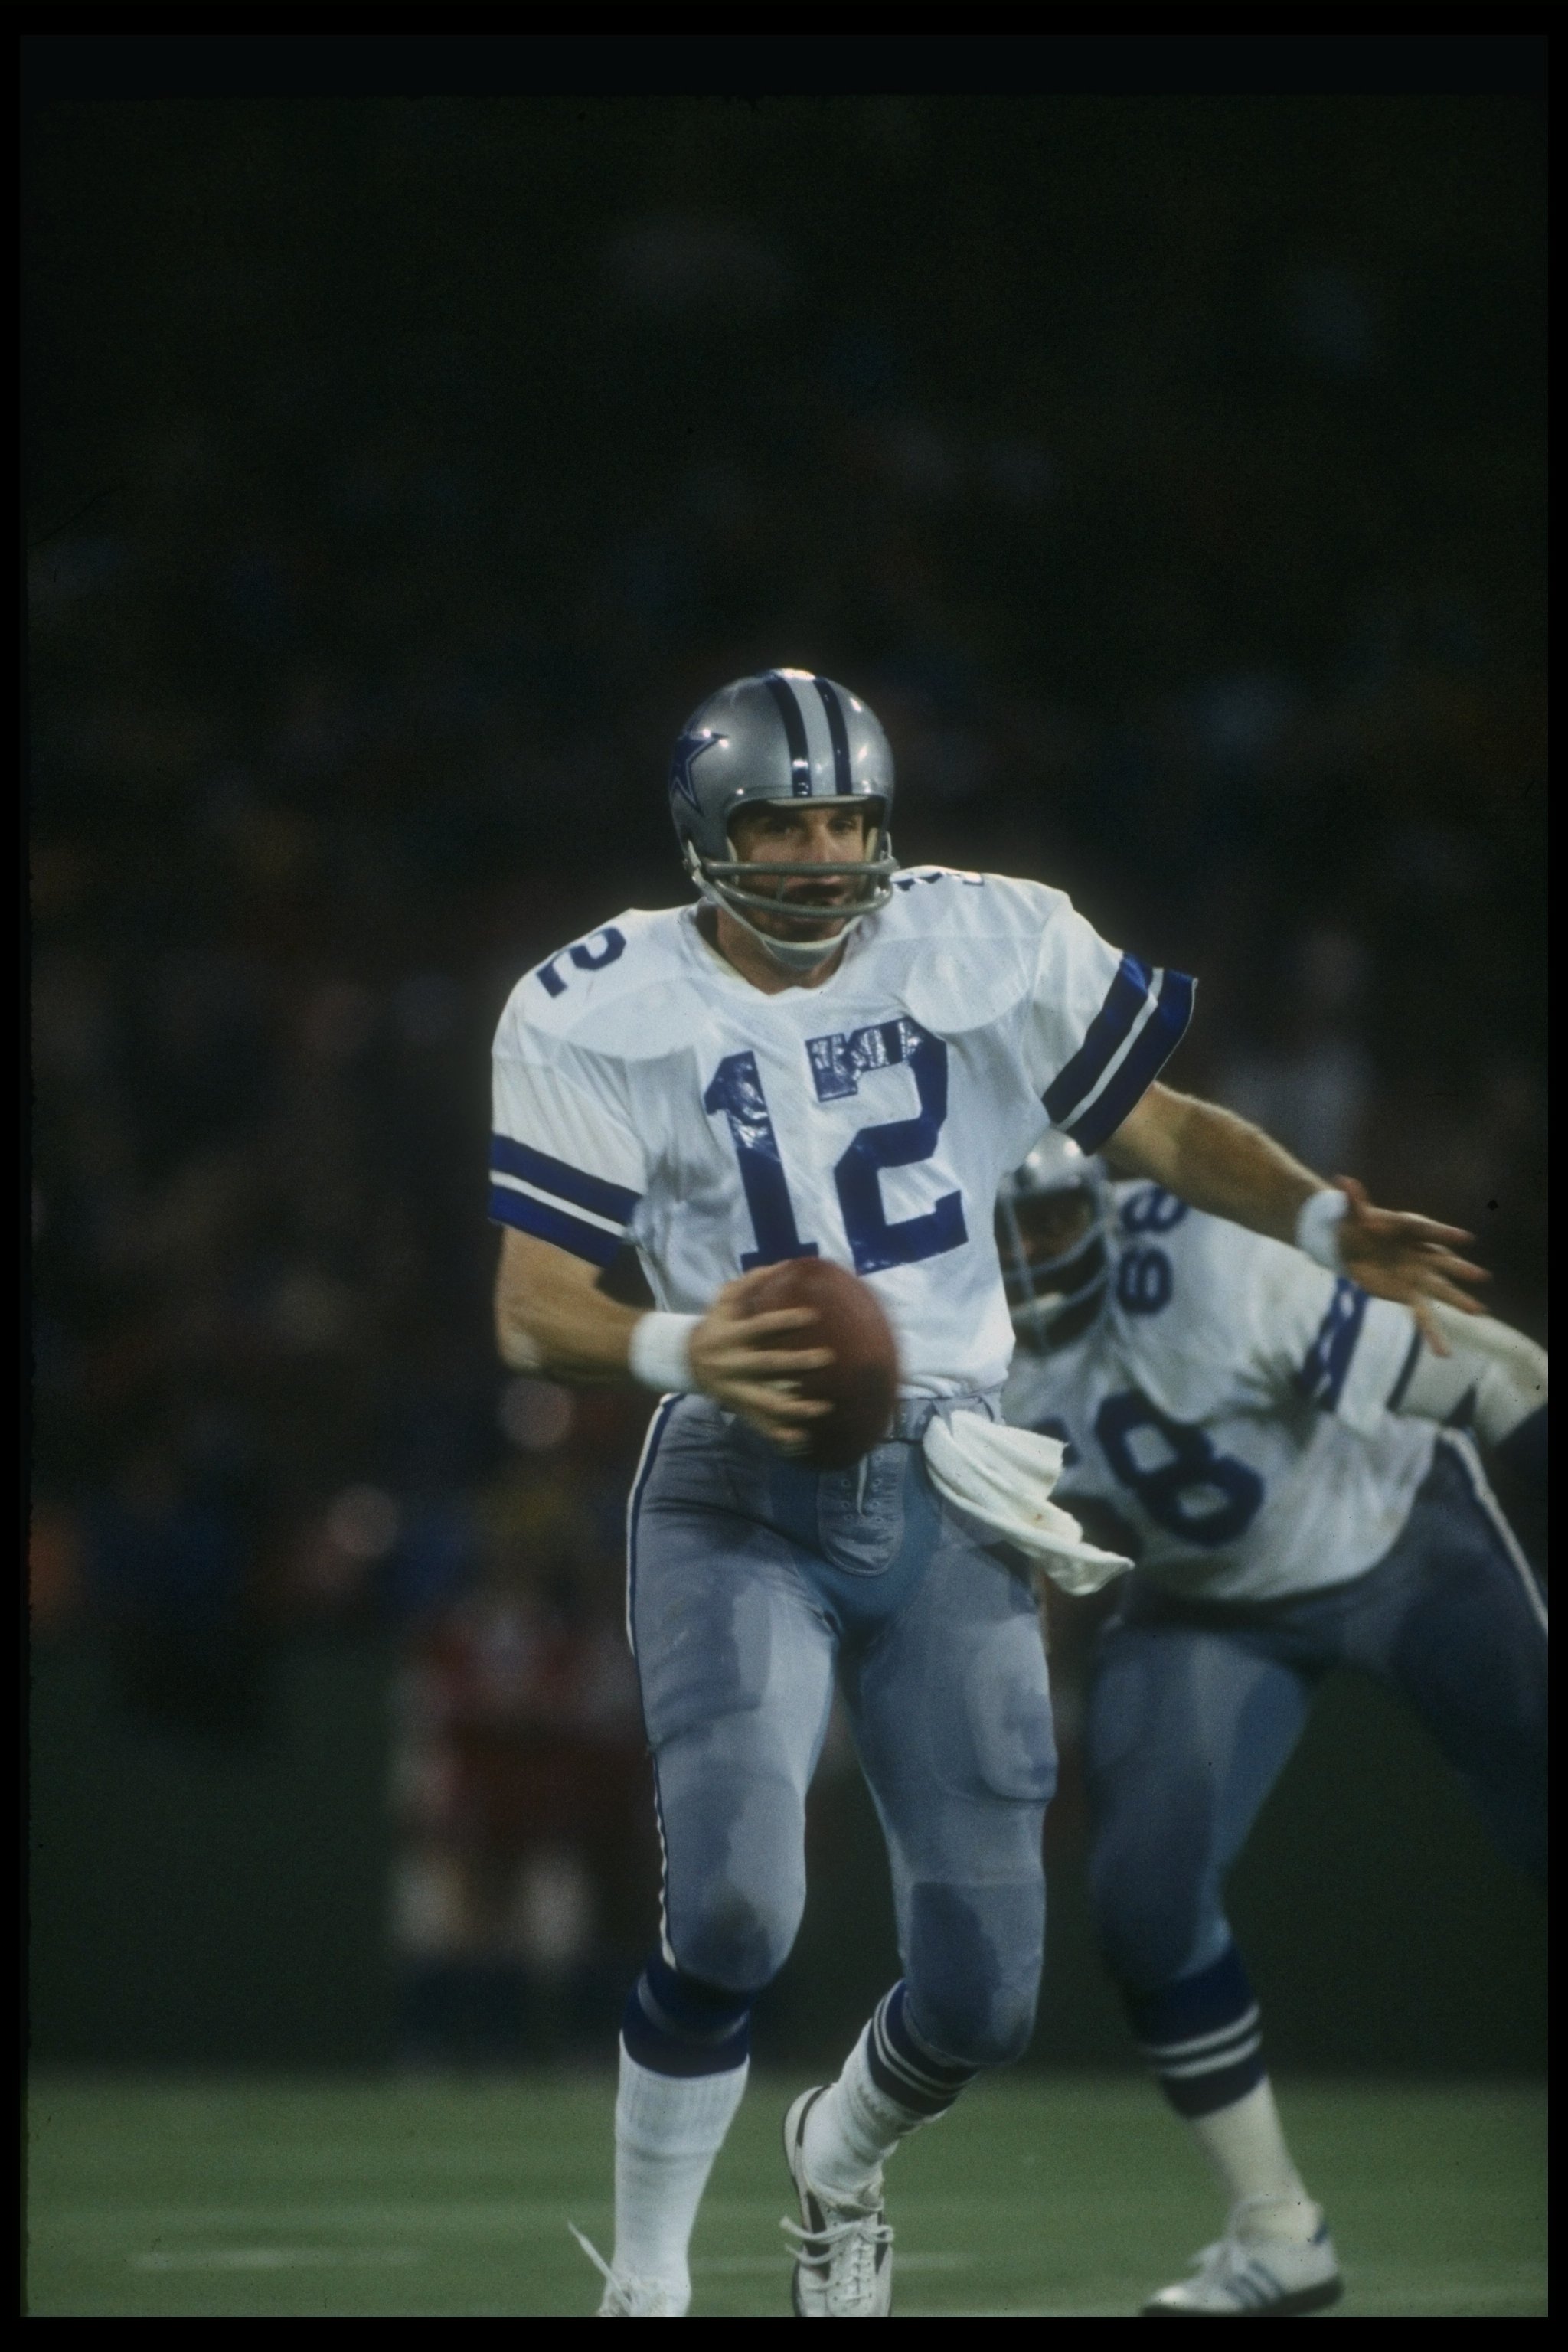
[861,1383]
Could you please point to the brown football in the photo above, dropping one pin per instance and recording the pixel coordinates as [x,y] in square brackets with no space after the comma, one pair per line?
[861,1383]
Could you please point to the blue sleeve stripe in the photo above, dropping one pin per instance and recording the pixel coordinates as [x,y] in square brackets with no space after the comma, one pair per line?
[547,1224]
[1147,1057]
[1124,1000]
[510,1157]
[1321,1378]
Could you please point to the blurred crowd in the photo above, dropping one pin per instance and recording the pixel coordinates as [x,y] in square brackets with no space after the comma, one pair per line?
[1190,562]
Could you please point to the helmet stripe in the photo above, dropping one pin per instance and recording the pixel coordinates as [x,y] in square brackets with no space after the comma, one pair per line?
[842,780]
[789,711]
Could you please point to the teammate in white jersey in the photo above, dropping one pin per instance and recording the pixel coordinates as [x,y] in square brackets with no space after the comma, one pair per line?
[1281,1454]
[830,1056]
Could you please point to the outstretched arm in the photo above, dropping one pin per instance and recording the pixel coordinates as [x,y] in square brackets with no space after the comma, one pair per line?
[1227,1166]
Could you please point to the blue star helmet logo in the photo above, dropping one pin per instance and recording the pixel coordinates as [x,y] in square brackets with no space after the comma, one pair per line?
[688,752]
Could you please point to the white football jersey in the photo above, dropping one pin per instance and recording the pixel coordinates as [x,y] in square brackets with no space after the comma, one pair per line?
[1229,1404]
[645,1090]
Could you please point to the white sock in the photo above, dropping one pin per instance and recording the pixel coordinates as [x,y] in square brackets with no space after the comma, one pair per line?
[851,2131]
[1245,2145]
[668,2130]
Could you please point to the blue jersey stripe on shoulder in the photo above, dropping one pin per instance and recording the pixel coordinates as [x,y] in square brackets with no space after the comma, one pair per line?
[1150,1050]
[547,1224]
[511,1158]
[1106,1035]
[1321,1378]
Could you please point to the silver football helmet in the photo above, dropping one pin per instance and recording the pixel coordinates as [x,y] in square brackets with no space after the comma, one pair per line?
[1043,1288]
[784,735]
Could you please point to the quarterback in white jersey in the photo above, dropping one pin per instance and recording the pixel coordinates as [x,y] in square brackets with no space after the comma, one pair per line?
[1281,1455]
[869,1120]
[831,1057]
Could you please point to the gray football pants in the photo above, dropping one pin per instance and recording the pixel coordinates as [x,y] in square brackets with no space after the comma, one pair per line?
[752,1581]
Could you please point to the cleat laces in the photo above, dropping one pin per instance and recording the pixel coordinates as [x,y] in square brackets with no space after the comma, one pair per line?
[845,2255]
[624,2298]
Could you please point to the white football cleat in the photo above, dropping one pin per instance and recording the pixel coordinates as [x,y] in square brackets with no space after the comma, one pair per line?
[631,2298]
[1247,2275]
[844,2255]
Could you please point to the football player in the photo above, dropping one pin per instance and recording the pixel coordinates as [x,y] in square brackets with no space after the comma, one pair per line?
[1292,1465]
[827,1056]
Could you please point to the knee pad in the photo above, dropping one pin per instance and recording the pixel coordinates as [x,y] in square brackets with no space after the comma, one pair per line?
[974,1969]
[734,1937]
[734,1878]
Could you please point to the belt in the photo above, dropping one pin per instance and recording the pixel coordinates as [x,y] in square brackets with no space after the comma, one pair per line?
[915,1414]
[911,1418]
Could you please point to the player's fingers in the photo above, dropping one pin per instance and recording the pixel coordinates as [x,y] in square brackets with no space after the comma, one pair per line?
[1448,1294]
[1426,1324]
[1410,1227]
[792,1437]
[779,1318]
[1416,1289]
[1388,1229]
[1413,1227]
[1458,1269]
[769,1403]
[1426,1269]
[753,1362]
[736,1352]
[1420,1269]
[1408,1223]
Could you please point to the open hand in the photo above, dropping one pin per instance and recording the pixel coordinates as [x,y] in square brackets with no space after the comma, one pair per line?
[737,1359]
[1395,1254]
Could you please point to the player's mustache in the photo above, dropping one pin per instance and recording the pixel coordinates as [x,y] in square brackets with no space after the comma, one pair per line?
[799,891]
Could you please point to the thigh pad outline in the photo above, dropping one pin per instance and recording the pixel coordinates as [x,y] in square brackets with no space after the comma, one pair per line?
[999,1738]
[705,1647]
[958,1701]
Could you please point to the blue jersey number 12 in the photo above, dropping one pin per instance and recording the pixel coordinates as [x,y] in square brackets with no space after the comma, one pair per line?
[737,1091]
[838,1064]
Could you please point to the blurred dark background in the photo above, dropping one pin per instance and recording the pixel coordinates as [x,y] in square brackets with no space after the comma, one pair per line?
[1169,476]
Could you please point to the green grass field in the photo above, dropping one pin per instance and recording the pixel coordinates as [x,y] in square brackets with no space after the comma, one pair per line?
[1069,2198]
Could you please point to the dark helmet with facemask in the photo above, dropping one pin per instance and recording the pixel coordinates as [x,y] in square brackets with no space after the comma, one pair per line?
[1044,1290]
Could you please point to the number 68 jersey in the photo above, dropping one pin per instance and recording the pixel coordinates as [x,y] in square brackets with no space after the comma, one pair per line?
[644,1091]
[1229,1408]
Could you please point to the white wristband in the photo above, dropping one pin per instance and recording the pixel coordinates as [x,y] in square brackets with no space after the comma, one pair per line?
[660,1355]
[1317,1226]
